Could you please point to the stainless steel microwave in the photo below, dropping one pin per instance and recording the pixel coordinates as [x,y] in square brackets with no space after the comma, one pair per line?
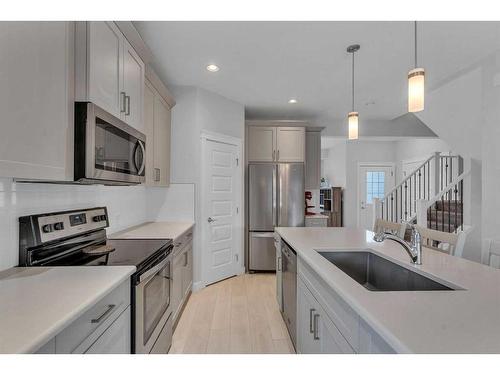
[107,150]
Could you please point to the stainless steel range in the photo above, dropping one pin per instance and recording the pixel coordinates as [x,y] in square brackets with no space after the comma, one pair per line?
[78,238]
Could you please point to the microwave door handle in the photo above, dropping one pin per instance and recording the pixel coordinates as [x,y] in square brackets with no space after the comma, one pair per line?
[141,168]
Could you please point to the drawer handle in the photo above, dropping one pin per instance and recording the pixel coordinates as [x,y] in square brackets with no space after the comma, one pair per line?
[315,323]
[104,314]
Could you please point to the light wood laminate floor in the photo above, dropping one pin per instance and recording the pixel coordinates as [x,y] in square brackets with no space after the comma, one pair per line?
[237,315]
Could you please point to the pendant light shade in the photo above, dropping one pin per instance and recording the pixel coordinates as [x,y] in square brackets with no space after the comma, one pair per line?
[416,84]
[353,116]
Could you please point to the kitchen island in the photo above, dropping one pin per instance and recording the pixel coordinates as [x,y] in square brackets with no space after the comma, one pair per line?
[354,319]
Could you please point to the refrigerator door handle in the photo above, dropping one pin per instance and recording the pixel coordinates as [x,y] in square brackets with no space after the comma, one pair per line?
[280,203]
[274,197]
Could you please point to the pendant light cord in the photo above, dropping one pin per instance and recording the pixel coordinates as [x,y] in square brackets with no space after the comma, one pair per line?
[352,81]
[415,44]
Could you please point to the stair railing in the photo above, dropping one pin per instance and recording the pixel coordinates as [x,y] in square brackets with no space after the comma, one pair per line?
[445,220]
[425,182]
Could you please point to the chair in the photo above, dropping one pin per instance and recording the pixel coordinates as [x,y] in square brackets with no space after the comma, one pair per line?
[494,249]
[385,226]
[444,242]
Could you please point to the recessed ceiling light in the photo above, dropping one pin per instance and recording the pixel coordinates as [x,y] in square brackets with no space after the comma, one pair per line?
[212,68]
[292,101]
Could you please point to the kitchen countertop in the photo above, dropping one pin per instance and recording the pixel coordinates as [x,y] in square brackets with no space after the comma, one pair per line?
[163,229]
[36,303]
[460,321]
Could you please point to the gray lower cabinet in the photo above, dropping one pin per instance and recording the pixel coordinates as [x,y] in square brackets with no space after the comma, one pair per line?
[182,273]
[104,328]
[328,325]
[116,339]
[316,331]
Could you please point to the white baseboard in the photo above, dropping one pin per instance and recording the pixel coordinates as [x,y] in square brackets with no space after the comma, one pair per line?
[198,285]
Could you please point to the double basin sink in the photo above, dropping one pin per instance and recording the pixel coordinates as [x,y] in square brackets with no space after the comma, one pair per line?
[379,274]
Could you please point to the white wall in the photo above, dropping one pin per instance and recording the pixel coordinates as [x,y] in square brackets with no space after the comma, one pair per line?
[333,162]
[197,110]
[417,149]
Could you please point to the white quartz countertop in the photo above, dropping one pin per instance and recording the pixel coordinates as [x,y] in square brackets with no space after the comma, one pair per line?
[460,321]
[163,229]
[36,303]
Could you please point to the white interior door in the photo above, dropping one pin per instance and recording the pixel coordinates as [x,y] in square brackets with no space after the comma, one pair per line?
[373,182]
[221,200]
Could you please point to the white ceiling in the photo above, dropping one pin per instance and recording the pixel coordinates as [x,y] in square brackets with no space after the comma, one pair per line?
[263,64]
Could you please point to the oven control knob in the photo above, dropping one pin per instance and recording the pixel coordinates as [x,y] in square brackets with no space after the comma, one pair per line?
[96,219]
[59,226]
[47,228]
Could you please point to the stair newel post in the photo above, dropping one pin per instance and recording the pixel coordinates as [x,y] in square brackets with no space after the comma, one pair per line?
[437,168]
[377,210]
[422,212]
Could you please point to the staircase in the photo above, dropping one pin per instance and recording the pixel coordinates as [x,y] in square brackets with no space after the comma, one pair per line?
[433,191]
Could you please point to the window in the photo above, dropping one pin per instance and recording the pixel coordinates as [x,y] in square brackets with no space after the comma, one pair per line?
[375,186]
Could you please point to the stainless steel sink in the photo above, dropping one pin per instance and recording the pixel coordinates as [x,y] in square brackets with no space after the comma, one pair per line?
[379,274]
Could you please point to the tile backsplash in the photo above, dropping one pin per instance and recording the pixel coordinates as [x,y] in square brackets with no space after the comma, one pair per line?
[127,206]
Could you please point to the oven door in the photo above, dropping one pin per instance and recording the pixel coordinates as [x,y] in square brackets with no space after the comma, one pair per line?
[112,150]
[153,309]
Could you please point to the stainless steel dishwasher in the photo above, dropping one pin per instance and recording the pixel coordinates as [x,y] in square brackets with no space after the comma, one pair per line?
[289,274]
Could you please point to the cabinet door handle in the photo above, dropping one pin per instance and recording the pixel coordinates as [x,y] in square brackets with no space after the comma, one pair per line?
[274,154]
[278,157]
[279,264]
[185,259]
[311,330]
[122,101]
[127,100]
[315,326]
[104,314]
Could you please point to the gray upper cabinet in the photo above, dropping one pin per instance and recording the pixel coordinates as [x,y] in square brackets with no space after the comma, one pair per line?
[36,100]
[290,144]
[276,144]
[157,121]
[109,72]
[313,160]
[261,143]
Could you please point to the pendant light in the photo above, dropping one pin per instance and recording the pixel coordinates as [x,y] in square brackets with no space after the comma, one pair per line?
[416,84]
[352,117]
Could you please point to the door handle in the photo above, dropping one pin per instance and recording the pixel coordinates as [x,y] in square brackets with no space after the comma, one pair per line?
[122,102]
[127,100]
[185,259]
[311,329]
[210,220]
[274,155]
[278,157]
[315,326]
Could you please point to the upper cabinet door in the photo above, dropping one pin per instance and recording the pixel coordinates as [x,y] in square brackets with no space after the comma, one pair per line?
[149,115]
[105,72]
[261,143]
[133,86]
[162,141]
[36,100]
[290,144]
[313,160]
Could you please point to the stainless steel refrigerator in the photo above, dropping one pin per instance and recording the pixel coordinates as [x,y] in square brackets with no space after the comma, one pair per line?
[275,198]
